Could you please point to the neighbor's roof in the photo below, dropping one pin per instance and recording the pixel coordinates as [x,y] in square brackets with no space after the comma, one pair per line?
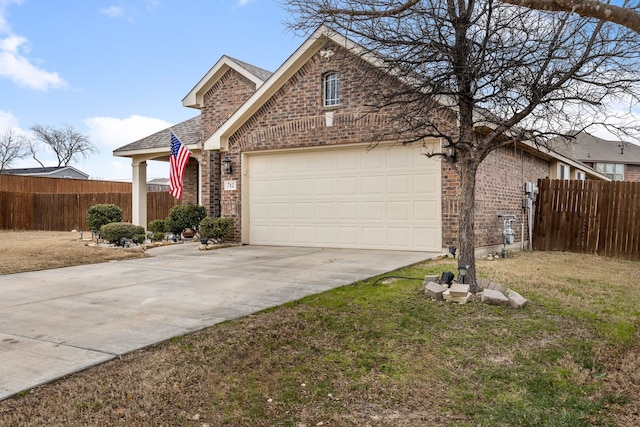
[588,148]
[188,132]
[47,170]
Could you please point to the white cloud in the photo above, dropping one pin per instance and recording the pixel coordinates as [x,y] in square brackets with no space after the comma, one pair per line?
[7,119]
[113,11]
[17,67]
[4,24]
[112,132]
[119,12]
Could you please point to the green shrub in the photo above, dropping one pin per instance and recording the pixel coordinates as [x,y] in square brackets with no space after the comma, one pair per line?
[184,216]
[115,231]
[157,236]
[139,238]
[158,226]
[216,229]
[99,215]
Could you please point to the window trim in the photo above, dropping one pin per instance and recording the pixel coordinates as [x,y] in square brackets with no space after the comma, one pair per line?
[331,89]
[615,171]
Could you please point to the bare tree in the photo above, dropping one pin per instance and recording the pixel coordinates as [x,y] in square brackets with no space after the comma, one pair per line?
[502,74]
[625,14]
[13,146]
[65,142]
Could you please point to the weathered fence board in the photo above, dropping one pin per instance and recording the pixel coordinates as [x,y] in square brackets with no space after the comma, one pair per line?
[56,204]
[593,217]
[64,212]
[36,184]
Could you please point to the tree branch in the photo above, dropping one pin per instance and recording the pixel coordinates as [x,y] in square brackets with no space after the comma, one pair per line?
[371,13]
[624,16]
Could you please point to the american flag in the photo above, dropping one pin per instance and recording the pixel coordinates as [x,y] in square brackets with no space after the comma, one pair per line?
[178,160]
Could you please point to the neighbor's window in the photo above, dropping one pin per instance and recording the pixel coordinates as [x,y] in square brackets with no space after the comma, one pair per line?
[615,171]
[564,172]
[580,175]
[331,89]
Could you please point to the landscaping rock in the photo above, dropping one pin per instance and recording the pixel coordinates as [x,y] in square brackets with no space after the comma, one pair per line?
[459,290]
[434,290]
[460,300]
[483,283]
[428,279]
[515,299]
[497,287]
[494,297]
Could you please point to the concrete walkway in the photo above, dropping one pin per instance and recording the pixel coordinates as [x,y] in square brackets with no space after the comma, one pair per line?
[56,322]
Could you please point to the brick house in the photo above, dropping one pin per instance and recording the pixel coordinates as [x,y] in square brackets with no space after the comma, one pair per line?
[618,160]
[292,157]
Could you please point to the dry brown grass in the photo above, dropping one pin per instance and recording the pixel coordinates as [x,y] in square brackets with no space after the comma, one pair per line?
[40,250]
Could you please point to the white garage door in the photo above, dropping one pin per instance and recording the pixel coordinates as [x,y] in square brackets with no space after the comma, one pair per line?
[385,198]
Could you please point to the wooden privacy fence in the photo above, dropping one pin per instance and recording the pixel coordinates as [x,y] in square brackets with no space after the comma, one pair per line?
[594,217]
[37,207]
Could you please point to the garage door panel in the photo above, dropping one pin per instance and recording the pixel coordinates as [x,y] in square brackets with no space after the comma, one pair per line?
[373,237]
[426,210]
[426,184]
[324,186]
[348,211]
[348,185]
[348,236]
[344,197]
[302,186]
[373,185]
[399,185]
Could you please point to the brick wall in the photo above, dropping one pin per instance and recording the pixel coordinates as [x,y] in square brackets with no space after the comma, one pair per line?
[499,190]
[632,173]
[220,102]
[296,117]
[190,183]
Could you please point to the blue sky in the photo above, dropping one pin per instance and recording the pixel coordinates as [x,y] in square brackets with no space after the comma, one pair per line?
[117,70]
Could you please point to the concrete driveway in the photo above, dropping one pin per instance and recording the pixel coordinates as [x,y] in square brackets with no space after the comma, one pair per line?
[56,322]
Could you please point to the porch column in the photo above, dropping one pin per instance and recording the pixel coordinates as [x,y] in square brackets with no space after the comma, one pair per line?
[139,194]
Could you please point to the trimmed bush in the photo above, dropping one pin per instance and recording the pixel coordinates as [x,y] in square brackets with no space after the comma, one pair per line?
[139,238]
[115,231]
[158,226]
[99,215]
[216,229]
[184,216]
[158,237]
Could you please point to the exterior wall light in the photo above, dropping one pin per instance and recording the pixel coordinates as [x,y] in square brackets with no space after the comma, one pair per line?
[450,152]
[227,164]
[462,271]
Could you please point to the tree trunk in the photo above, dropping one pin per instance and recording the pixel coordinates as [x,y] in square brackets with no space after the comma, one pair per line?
[467,169]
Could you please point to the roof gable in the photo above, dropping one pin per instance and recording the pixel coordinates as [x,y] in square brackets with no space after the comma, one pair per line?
[313,44]
[195,98]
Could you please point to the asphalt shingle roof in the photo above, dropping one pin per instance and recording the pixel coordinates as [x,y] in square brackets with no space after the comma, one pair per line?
[188,132]
[589,148]
[260,73]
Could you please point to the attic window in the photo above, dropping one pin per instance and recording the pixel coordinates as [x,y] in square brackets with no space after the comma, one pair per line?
[331,89]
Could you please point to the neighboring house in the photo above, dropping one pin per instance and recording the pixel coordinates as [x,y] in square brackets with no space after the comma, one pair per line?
[289,155]
[618,160]
[48,172]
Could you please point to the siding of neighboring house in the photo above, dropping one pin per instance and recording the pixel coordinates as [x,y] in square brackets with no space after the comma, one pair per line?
[632,173]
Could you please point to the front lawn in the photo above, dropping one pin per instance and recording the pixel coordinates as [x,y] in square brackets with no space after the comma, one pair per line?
[384,355]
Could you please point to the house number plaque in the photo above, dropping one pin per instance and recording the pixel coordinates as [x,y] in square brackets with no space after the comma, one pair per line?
[229,185]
